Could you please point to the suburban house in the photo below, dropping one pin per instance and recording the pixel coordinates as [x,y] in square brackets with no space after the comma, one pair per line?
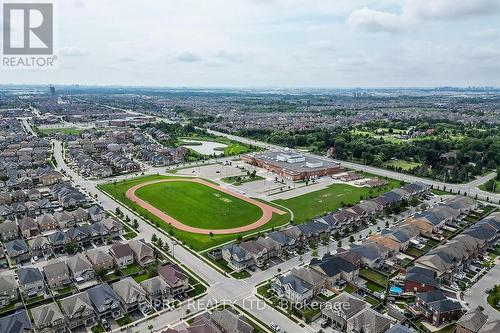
[78,310]
[437,309]
[143,253]
[8,231]
[48,318]
[114,228]
[81,269]
[293,289]
[350,314]
[472,321]
[131,295]
[31,282]
[257,251]
[100,259]
[96,213]
[58,240]
[46,222]
[420,279]
[157,290]
[335,268]
[57,274]
[64,219]
[229,321]
[122,254]
[236,257]
[8,289]
[28,227]
[18,322]
[105,301]
[17,250]
[175,277]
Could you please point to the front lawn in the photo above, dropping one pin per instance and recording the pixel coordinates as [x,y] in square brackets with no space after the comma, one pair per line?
[241,275]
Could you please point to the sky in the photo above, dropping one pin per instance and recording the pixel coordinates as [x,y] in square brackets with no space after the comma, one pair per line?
[273,43]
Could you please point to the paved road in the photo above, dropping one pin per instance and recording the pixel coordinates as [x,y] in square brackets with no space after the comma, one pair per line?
[469,188]
[221,288]
[476,295]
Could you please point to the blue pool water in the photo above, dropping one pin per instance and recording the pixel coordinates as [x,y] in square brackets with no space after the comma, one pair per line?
[396,290]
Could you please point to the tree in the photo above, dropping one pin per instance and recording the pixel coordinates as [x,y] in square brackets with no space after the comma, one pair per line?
[351,239]
[339,243]
[315,253]
[154,238]
[211,234]
[101,272]
[71,247]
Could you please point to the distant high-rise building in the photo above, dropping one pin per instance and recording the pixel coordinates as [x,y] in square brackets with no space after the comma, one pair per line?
[52,90]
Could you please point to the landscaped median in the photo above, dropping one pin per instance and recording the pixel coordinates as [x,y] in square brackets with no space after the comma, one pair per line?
[194,207]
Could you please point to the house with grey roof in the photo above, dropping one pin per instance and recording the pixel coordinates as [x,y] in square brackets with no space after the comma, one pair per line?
[293,289]
[80,215]
[80,268]
[369,321]
[157,291]
[105,301]
[313,277]
[257,251]
[400,328]
[335,268]
[100,259]
[96,213]
[340,309]
[48,318]
[236,257]
[64,219]
[8,289]
[122,254]
[8,231]
[273,248]
[39,246]
[114,228]
[78,310]
[143,253]
[58,240]
[471,321]
[57,274]
[175,277]
[437,309]
[31,282]
[131,295]
[18,322]
[17,250]
[46,222]
[28,227]
[230,322]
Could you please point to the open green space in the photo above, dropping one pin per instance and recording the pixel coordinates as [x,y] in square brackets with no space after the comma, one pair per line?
[491,186]
[66,131]
[311,205]
[494,297]
[401,164]
[199,206]
[197,242]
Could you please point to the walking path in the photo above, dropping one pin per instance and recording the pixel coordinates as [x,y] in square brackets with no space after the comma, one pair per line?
[267,210]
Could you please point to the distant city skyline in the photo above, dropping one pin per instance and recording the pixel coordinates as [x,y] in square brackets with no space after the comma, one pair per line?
[276,43]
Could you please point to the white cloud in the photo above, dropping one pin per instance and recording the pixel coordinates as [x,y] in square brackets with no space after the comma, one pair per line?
[73,51]
[188,57]
[414,12]
[374,21]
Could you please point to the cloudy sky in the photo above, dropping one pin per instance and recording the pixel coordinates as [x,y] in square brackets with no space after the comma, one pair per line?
[274,43]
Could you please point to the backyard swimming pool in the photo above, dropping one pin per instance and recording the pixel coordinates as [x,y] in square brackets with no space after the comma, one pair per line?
[396,290]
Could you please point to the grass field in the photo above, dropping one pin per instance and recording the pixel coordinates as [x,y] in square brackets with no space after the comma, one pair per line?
[67,131]
[199,206]
[405,165]
[239,180]
[311,205]
[497,187]
[195,241]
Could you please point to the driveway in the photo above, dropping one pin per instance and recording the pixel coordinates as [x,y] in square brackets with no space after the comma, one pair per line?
[476,295]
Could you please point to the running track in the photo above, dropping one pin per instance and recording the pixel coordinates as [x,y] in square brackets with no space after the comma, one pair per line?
[267,210]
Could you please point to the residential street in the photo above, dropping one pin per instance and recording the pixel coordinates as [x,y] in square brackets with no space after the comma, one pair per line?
[476,296]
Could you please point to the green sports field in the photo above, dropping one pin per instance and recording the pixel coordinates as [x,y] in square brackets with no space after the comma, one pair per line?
[199,206]
[311,205]
[197,242]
